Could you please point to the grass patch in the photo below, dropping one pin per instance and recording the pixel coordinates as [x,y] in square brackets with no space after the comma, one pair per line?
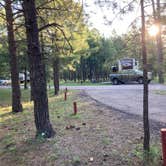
[160,92]
[5,96]
[154,154]
[106,141]
[86,83]
[17,131]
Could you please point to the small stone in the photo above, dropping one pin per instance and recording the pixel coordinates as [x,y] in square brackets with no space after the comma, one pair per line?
[105,155]
[72,126]
[83,124]
[67,127]
[91,159]
[78,128]
[58,117]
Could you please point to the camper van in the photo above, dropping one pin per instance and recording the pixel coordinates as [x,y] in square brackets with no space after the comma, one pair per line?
[127,70]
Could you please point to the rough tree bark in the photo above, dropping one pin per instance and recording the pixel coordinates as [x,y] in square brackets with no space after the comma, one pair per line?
[56,75]
[16,93]
[145,94]
[157,19]
[38,81]
[159,45]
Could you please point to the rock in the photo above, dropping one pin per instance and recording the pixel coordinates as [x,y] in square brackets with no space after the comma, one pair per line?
[105,155]
[78,128]
[67,127]
[72,126]
[83,124]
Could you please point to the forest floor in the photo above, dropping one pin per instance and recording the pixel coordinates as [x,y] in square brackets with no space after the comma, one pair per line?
[96,136]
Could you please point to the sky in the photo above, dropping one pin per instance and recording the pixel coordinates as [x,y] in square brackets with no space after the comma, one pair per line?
[96,20]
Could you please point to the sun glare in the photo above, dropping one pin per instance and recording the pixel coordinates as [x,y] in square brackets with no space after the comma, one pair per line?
[153,30]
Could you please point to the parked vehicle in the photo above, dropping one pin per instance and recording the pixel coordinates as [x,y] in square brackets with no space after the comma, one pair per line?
[127,70]
[22,77]
[5,82]
[128,76]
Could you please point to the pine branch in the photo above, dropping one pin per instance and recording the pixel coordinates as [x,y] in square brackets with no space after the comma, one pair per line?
[49,25]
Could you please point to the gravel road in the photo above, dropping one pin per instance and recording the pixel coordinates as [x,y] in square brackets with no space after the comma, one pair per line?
[129,98]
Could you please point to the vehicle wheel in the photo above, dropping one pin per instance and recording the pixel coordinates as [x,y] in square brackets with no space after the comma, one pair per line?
[115,81]
[140,80]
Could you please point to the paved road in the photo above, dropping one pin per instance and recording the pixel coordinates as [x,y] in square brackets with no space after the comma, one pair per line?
[129,98]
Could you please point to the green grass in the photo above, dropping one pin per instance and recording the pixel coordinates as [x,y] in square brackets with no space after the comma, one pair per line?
[5,96]
[160,92]
[154,154]
[86,83]
[17,131]
[155,79]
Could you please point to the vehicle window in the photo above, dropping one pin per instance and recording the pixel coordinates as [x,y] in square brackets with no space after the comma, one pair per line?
[131,72]
[124,72]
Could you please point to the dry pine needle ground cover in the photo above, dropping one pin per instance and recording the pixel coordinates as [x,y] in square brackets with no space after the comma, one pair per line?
[96,136]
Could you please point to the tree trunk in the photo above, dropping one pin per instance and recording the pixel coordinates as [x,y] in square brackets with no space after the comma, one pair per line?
[16,93]
[25,80]
[38,81]
[145,94]
[75,76]
[56,75]
[159,45]
[157,18]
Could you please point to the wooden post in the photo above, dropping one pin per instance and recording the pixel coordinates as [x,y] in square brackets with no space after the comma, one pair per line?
[65,96]
[163,141]
[75,108]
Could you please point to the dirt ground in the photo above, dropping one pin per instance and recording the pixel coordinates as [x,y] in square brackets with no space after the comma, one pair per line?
[97,136]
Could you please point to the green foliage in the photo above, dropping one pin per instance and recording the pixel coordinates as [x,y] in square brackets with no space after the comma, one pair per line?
[154,155]
[4,61]
[83,52]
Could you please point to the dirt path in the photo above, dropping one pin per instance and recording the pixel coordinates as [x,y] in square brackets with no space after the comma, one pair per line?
[109,137]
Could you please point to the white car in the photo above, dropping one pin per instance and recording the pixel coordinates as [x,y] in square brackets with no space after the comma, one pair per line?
[5,82]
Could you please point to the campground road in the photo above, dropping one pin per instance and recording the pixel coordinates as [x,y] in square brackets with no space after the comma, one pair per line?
[129,98]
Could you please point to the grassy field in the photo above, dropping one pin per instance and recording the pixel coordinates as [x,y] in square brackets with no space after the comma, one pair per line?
[86,83]
[5,96]
[17,131]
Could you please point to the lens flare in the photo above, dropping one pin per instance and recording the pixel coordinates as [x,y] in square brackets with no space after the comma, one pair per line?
[153,30]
